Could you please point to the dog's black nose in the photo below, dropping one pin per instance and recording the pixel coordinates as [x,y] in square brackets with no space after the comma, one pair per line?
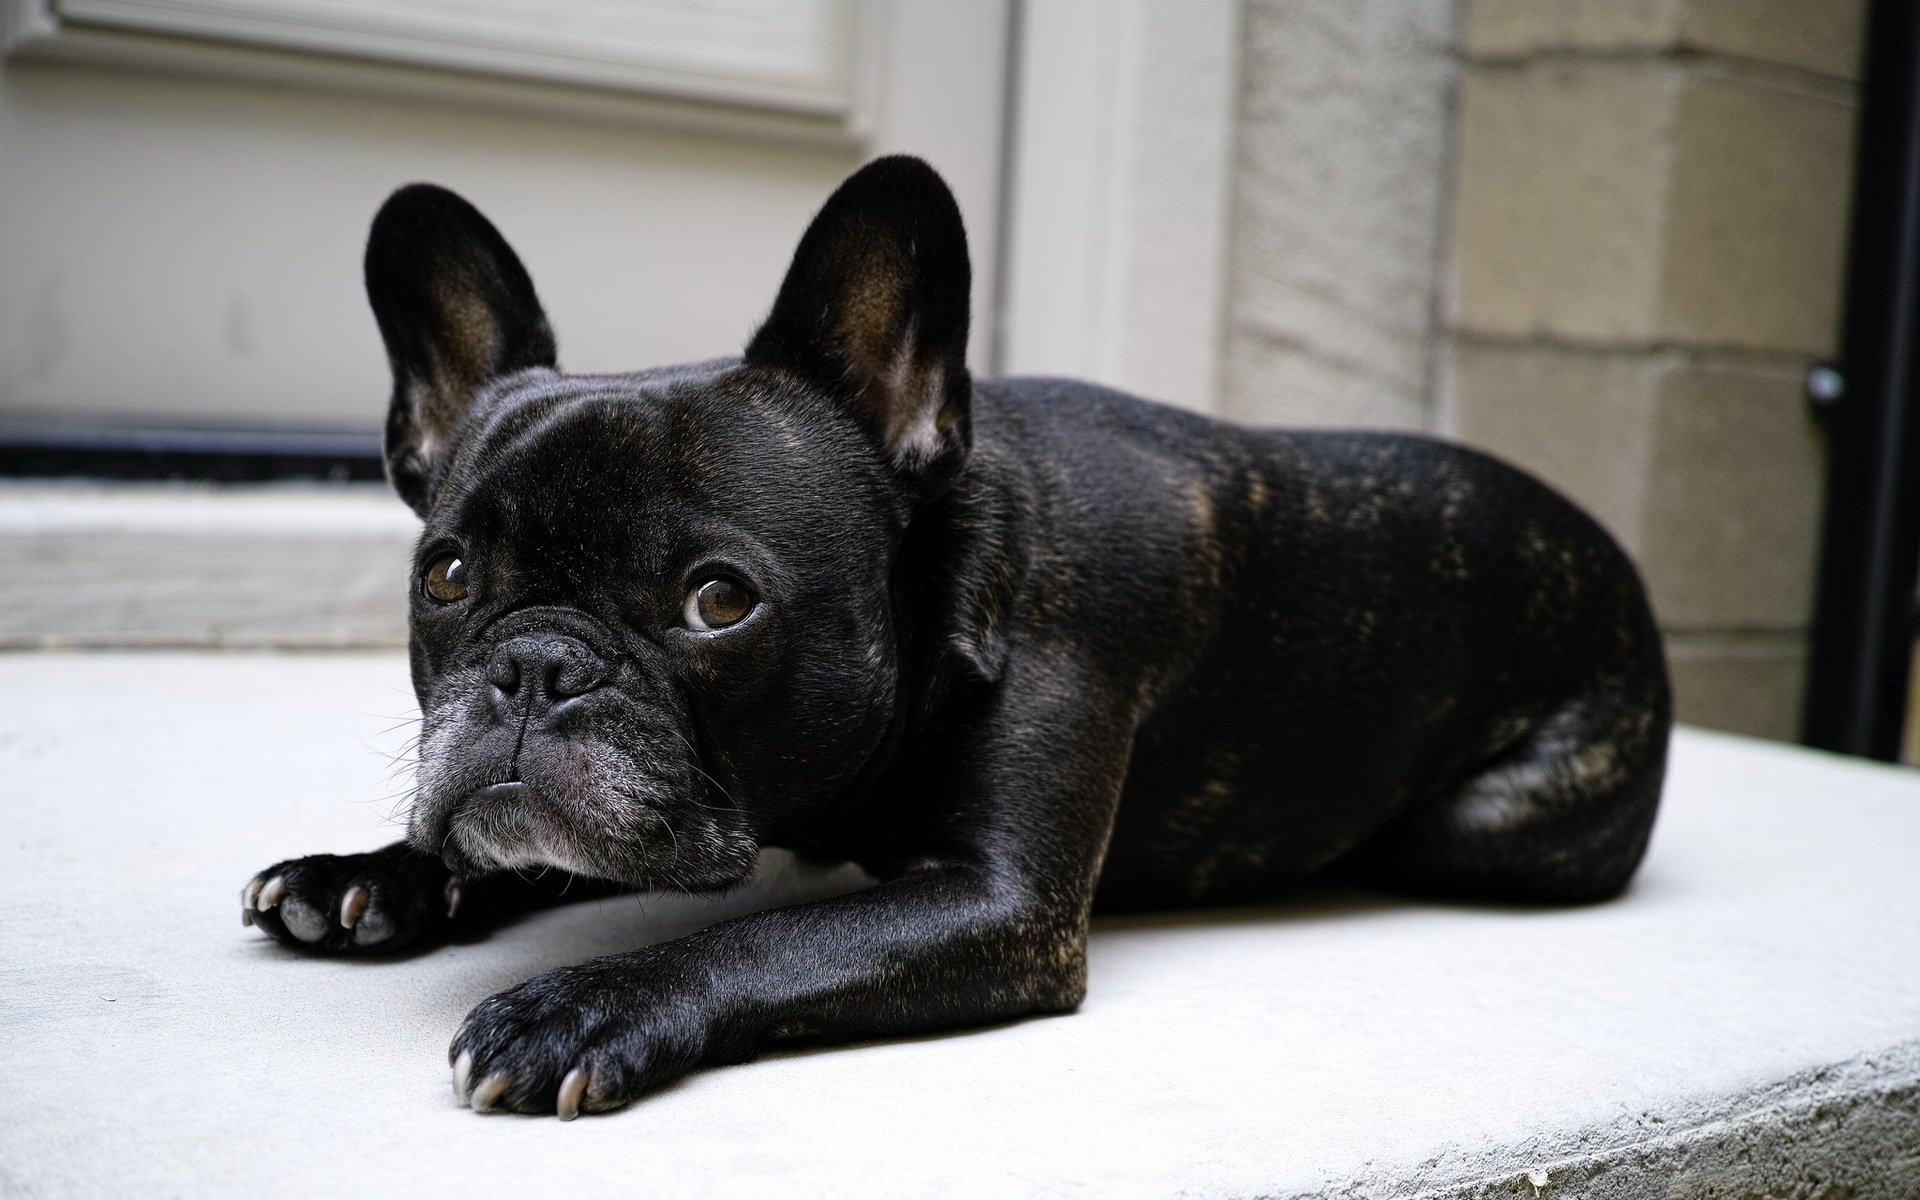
[557,668]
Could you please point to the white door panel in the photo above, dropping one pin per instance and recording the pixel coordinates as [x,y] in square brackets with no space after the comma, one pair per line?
[180,246]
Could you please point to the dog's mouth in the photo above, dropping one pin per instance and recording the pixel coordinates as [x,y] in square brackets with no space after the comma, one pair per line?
[509,825]
[494,795]
[640,837]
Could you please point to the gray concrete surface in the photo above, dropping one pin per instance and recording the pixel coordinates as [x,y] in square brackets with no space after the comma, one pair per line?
[1745,1022]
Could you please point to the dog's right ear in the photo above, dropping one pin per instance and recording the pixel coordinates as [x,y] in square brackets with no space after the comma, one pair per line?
[456,310]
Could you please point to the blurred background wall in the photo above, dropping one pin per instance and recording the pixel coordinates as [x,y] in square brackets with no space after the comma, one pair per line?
[1602,238]
[1647,249]
[186,242]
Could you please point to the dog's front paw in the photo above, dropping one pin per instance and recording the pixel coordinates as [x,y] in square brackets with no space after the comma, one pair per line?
[588,1038]
[351,902]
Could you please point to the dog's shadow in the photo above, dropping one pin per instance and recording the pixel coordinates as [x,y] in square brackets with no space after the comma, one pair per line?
[559,937]
[572,933]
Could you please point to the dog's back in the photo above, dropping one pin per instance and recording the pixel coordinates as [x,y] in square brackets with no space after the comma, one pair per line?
[1373,650]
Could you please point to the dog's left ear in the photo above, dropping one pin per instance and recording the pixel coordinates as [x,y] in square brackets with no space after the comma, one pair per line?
[874,312]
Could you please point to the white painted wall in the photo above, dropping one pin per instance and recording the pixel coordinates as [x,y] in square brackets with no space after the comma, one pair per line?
[187,246]
[1118,222]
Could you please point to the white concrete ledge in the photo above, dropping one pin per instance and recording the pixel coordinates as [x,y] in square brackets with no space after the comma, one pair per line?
[1746,1021]
[291,565]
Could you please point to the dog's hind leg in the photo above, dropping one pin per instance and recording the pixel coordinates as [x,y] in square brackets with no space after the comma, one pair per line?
[1561,814]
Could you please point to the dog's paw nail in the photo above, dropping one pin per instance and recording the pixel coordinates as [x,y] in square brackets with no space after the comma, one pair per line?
[573,1087]
[353,905]
[489,1091]
[250,895]
[452,894]
[462,1075]
[271,894]
[246,917]
[303,920]
[370,925]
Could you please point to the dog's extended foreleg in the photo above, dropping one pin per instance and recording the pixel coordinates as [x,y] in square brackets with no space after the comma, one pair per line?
[988,924]
[940,948]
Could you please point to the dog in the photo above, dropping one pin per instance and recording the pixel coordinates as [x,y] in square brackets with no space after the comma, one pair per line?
[1023,649]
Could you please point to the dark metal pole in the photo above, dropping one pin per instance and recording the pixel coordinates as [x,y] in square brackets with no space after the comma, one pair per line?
[1864,626]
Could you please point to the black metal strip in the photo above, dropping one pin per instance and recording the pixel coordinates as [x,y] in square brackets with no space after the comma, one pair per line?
[1870,553]
[46,449]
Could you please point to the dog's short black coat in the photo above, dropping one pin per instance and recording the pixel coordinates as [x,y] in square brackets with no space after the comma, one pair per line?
[1022,648]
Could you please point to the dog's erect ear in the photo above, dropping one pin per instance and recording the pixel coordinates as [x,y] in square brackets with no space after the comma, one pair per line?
[456,310]
[874,311]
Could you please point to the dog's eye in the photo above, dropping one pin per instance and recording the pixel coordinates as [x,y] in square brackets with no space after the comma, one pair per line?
[716,604]
[446,579]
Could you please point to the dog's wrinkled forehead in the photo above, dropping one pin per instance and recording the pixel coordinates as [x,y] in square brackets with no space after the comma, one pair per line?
[572,467]
[542,433]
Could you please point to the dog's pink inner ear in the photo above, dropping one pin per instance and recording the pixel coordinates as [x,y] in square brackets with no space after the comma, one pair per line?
[904,393]
[468,352]
[913,397]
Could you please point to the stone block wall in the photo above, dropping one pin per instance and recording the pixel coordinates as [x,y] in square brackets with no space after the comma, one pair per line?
[1646,248]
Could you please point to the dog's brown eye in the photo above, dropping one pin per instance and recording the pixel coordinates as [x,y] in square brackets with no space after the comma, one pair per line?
[716,604]
[446,579]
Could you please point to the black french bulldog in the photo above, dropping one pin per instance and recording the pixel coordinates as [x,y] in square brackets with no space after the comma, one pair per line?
[1023,649]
